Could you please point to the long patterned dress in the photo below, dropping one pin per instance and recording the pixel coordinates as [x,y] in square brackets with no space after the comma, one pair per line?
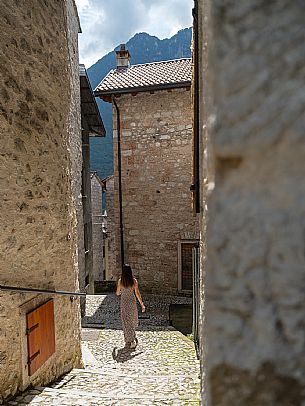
[129,314]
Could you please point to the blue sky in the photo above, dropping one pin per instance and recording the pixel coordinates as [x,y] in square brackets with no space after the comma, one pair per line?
[107,23]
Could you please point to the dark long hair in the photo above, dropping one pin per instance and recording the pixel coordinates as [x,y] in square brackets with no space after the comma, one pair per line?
[127,279]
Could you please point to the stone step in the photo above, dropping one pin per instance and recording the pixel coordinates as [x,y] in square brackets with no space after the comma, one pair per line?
[103,322]
[104,310]
[88,387]
[126,385]
[118,374]
[162,370]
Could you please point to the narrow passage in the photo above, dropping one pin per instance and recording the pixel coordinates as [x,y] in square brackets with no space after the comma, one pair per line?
[162,370]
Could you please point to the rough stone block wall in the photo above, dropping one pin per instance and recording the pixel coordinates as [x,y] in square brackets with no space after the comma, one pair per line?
[97,232]
[255,234]
[40,150]
[75,139]
[156,176]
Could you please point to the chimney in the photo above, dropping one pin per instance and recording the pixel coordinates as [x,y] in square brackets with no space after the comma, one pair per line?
[122,58]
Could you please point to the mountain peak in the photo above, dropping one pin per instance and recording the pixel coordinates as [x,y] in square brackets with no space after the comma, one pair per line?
[145,48]
[142,35]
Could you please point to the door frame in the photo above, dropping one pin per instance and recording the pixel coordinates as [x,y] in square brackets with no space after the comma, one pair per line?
[180,263]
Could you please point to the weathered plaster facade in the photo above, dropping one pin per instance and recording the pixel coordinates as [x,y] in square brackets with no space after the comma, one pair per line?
[156,130]
[97,229]
[255,265]
[112,223]
[104,227]
[40,181]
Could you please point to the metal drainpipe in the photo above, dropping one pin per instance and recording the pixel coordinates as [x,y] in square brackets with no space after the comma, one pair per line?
[120,180]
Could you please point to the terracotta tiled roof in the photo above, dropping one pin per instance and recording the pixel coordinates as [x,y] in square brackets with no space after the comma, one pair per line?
[148,76]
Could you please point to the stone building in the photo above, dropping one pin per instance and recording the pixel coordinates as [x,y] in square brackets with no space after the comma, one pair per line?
[152,124]
[41,163]
[250,121]
[98,232]
[109,242]
[92,125]
[103,232]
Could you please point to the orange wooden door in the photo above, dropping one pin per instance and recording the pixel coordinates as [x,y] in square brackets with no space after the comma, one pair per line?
[41,335]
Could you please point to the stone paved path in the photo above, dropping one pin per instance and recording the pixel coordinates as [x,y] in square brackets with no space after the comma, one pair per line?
[162,370]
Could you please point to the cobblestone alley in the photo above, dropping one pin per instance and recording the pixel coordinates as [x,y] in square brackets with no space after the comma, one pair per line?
[162,370]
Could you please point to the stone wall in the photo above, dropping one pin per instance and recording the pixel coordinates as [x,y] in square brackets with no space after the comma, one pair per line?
[40,150]
[206,175]
[75,138]
[255,233]
[156,177]
[97,231]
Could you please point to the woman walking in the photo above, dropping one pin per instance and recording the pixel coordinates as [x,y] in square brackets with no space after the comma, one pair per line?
[128,288]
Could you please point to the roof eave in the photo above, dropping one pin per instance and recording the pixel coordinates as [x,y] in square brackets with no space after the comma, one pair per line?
[149,88]
[89,107]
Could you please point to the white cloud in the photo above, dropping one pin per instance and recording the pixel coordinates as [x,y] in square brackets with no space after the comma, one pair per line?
[82,5]
[107,23]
